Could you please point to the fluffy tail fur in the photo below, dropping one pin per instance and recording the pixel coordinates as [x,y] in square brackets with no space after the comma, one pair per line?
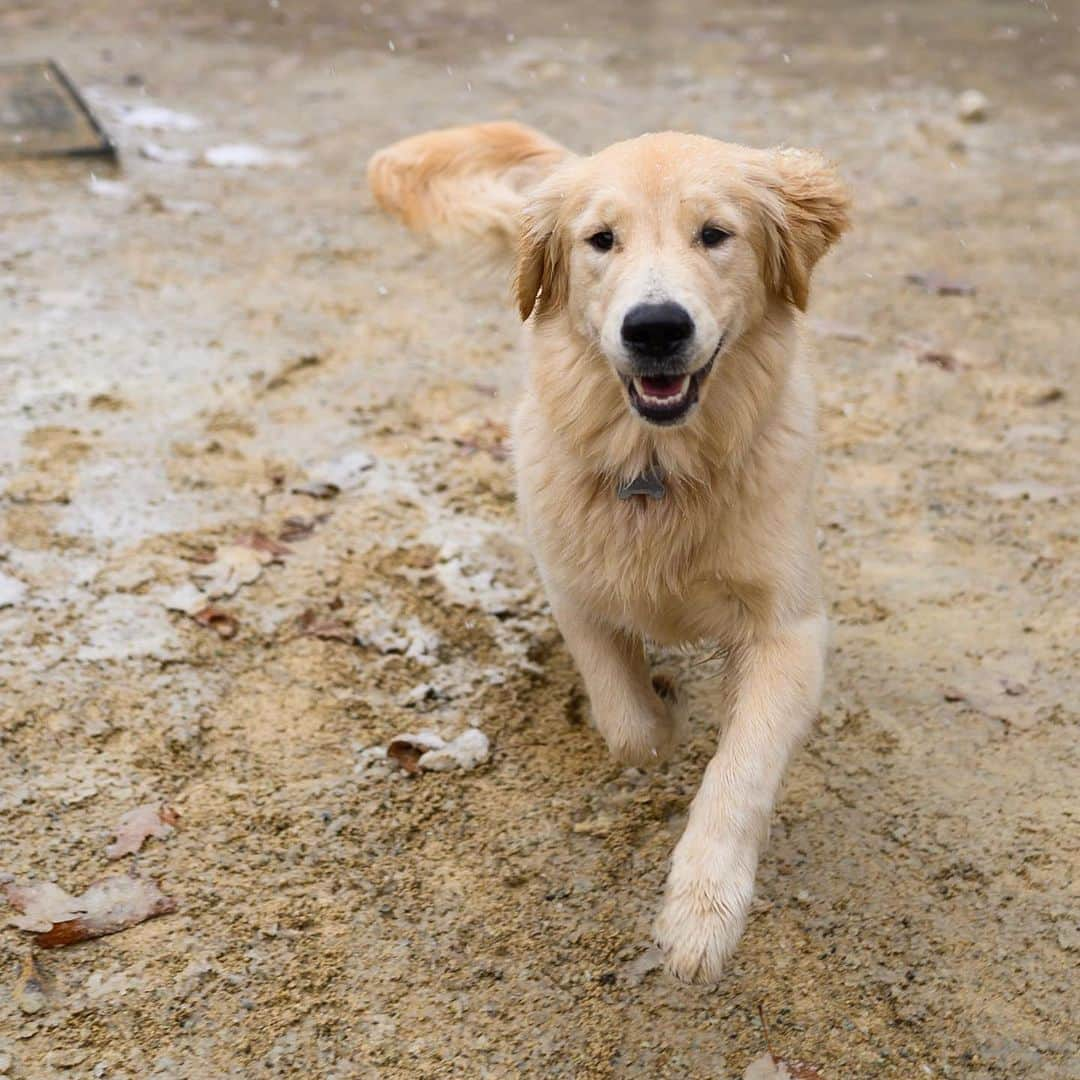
[464,183]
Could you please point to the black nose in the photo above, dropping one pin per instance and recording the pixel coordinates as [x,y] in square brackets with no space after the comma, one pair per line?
[657,329]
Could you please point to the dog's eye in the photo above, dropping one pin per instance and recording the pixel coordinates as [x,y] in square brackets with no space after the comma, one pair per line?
[604,240]
[711,236]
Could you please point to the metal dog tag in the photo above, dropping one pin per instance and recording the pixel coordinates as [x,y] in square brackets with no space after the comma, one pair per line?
[648,483]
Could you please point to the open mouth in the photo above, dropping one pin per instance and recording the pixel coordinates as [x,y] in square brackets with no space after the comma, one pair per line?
[666,399]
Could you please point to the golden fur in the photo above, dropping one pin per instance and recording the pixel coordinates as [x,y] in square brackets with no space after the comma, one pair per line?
[728,557]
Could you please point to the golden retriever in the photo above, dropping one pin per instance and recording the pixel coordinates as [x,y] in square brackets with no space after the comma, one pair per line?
[665,445]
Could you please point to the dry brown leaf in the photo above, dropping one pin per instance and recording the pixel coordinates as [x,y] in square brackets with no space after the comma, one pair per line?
[771,1067]
[299,528]
[768,1067]
[406,753]
[284,376]
[939,358]
[939,284]
[138,825]
[108,906]
[259,541]
[41,905]
[318,490]
[312,625]
[218,620]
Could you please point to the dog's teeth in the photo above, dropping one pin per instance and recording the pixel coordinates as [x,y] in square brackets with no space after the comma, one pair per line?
[669,399]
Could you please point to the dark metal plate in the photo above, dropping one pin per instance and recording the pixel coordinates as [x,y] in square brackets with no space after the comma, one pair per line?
[42,115]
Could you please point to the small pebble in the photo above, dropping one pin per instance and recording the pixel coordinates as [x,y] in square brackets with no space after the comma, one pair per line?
[972,106]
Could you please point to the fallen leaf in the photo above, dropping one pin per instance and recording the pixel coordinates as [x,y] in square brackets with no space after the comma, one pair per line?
[259,541]
[1049,396]
[108,906]
[299,528]
[407,750]
[283,377]
[40,905]
[29,989]
[939,358]
[939,284]
[768,1067]
[771,1067]
[311,625]
[138,825]
[318,490]
[218,620]
[234,565]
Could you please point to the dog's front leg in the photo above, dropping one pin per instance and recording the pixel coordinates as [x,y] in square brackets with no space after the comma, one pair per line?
[711,883]
[637,724]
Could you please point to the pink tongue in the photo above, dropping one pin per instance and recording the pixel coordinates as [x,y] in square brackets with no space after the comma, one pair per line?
[669,386]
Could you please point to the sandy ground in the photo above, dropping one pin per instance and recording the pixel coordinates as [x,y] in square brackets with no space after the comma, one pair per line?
[178,354]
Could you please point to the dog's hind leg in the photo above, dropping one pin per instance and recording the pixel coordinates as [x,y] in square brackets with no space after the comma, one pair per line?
[775,698]
[638,725]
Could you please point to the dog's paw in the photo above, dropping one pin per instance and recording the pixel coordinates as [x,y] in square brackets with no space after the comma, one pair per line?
[642,743]
[647,737]
[702,918]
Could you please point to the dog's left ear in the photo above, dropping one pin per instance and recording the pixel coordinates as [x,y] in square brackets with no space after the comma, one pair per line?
[541,278]
[806,210]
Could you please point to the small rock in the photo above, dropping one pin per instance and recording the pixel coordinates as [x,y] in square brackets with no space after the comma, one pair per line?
[65,1059]
[5,1062]
[469,749]
[972,106]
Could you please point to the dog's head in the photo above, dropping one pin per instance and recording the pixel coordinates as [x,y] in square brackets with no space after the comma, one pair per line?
[660,252]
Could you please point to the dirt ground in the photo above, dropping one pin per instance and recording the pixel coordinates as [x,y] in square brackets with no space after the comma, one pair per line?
[183,348]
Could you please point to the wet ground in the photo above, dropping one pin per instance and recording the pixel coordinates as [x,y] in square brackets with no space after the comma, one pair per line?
[191,352]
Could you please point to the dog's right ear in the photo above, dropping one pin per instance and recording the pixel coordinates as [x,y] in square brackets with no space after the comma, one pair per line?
[542,277]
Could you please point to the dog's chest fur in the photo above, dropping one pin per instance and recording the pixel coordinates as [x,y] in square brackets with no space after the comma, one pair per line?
[663,568]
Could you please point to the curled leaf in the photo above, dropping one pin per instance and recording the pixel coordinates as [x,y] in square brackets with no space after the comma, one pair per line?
[259,541]
[299,528]
[768,1067]
[138,825]
[218,620]
[939,284]
[318,490]
[108,906]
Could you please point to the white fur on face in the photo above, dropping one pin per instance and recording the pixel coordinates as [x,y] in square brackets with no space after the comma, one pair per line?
[658,256]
